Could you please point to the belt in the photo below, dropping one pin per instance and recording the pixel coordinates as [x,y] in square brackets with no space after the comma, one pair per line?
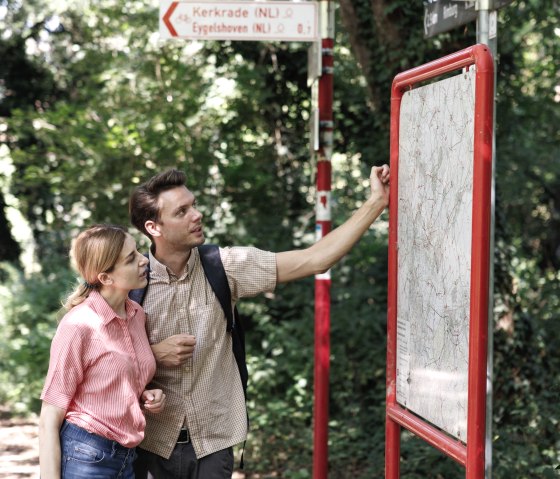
[184,437]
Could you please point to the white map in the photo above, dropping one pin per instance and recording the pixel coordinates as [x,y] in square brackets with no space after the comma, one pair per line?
[435,183]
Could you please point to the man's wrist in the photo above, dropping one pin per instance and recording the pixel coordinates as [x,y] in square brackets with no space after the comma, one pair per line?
[376,203]
[156,351]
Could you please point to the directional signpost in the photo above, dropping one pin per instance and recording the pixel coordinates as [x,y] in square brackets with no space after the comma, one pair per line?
[225,20]
[444,15]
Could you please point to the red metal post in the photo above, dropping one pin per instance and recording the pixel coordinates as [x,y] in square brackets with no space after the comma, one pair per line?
[322,227]
[322,368]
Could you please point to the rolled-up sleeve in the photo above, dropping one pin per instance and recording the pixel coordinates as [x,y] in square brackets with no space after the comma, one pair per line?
[250,271]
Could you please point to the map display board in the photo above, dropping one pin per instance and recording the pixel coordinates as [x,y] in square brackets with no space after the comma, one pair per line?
[439,257]
[434,244]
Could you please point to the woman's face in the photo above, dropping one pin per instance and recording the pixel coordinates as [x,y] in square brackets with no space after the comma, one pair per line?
[129,271]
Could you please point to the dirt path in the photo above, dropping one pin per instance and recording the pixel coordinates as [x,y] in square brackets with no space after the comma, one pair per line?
[19,447]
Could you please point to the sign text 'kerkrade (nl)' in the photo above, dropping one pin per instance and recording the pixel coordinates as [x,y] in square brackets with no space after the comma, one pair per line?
[249,20]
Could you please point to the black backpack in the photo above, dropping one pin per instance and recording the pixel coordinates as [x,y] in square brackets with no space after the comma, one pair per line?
[216,276]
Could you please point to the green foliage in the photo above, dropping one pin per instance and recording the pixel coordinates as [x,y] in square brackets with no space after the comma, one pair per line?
[528,165]
[28,317]
[527,374]
[281,384]
[358,349]
[280,410]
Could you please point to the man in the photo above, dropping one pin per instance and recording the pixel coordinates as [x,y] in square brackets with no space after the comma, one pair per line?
[205,413]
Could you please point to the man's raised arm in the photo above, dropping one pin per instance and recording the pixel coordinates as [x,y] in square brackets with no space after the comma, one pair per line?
[296,264]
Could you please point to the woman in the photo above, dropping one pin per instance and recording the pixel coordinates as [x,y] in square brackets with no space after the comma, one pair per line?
[94,398]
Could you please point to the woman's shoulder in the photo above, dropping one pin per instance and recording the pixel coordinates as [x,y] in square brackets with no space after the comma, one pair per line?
[82,316]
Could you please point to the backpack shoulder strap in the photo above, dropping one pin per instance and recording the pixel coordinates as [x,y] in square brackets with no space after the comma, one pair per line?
[139,294]
[216,276]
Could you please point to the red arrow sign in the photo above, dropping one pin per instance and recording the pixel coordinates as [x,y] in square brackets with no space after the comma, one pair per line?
[267,20]
[167,18]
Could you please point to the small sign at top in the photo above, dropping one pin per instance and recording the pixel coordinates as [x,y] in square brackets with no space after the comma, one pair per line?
[240,20]
[444,15]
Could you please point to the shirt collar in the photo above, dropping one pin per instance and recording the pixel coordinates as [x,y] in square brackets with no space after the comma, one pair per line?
[162,272]
[105,312]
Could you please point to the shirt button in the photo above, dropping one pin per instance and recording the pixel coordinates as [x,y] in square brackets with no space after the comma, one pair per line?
[187,369]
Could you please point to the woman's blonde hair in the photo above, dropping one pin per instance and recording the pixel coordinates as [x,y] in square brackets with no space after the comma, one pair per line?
[95,250]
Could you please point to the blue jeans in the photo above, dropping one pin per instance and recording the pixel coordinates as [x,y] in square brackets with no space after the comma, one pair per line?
[89,456]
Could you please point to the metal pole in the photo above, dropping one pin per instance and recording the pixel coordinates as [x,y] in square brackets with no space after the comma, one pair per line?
[322,227]
[487,33]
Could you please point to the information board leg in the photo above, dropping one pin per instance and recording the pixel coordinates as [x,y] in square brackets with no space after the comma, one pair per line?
[489,36]
[392,449]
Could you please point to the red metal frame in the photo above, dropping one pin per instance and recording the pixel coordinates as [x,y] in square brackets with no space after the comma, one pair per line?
[470,455]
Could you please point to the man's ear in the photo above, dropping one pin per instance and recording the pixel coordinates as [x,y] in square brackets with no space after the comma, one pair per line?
[105,279]
[152,228]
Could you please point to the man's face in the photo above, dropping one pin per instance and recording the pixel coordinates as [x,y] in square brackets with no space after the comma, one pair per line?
[180,223]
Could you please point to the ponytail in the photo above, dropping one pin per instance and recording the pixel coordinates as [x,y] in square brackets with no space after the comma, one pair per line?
[78,296]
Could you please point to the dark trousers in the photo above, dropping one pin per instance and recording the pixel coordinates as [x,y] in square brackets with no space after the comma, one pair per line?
[183,464]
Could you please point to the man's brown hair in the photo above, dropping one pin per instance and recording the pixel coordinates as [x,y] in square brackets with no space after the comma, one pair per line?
[143,204]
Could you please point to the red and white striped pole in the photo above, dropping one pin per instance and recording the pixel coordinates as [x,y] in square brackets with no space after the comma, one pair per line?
[322,227]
